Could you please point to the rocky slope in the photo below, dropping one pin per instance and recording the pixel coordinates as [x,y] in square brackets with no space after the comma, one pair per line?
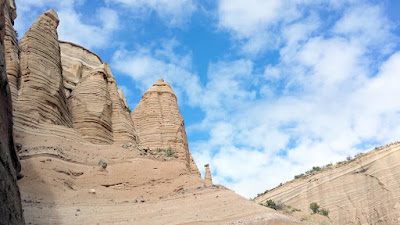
[87,160]
[365,190]
[10,207]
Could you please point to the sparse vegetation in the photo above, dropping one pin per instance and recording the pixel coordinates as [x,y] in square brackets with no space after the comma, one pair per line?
[271,204]
[128,110]
[316,209]
[325,212]
[169,152]
[287,209]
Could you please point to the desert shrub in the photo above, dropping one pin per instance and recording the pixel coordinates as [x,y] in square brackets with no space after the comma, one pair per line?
[169,152]
[314,207]
[299,176]
[128,109]
[325,212]
[271,204]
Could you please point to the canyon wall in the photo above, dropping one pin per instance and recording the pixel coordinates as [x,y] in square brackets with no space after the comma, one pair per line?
[365,190]
[10,207]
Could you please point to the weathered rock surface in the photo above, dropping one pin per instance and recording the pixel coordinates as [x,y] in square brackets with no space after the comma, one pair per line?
[41,98]
[91,108]
[98,111]
[364,191]
[159,124]
[10,202]
[11,48]
[207,176]
[122,123]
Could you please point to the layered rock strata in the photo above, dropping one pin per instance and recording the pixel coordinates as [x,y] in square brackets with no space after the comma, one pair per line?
[99,113]
[10,207]
[11,48]
[159,124]
[365,190]
[41,95]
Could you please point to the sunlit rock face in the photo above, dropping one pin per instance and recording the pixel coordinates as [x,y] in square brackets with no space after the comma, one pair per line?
[159,124]
[98,111]
[364,190]
[41,97]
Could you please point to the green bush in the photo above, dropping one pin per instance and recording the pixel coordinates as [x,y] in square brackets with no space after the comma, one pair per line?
[314,207]
[325,212]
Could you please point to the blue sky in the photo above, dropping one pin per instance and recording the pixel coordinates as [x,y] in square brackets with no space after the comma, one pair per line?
[267,88]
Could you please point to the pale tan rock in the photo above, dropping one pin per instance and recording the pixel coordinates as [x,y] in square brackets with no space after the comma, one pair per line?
[41,98]
[11,48]
[159,124]
[91,108]
[122,97]
[364,191]
[207,176]
[79,63]
[123,129]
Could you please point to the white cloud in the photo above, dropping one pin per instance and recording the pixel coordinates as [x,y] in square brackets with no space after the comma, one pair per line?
[146,65]
[173,12]
[90,31]
[329,96]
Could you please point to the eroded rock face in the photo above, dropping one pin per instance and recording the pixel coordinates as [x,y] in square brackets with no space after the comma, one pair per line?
[159,124]
[41,98]
[123,129]
[91,108]
[11,48]
[364,191]
[99,113]
[207,176]
[10,207]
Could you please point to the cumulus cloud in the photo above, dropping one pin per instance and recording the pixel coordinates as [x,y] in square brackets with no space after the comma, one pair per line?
[174,13]
[94,31]
[328,96]
[146,64]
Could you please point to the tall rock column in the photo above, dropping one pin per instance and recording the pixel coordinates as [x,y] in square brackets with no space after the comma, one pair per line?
[10,201]
[207,176]
[41,95]
[159,124]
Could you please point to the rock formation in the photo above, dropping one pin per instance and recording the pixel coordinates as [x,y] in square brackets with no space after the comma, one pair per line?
[207,176]
[365,190]
[70,115]
[98,110]
[159,124]
[11,48]
[41,97]
[10,202]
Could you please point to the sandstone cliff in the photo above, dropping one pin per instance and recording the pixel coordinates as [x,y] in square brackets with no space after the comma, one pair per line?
[365,190]
[10,207]
[159,124]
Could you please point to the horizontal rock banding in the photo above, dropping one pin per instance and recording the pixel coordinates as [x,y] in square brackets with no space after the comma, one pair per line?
[41,96]
[159,124]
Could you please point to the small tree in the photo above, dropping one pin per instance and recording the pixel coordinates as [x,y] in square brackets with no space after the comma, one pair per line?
[314,207]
